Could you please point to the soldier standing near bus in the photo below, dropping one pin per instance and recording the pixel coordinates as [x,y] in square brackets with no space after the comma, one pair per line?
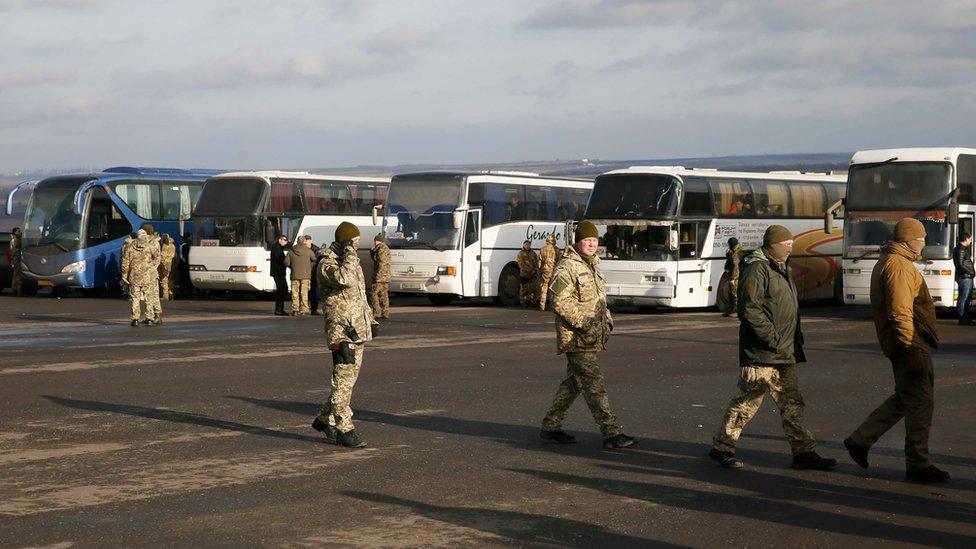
[528,264]
[732,258]
[904,317]
[583,325]
[349,324]
[15,260]
[548,256]
[167,250]
[140,278]
[770,347]
[379,290]
[300,260]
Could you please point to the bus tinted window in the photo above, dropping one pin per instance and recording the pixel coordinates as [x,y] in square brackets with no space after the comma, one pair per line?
[732,197]
[835,193]
[143,198]
[540,203]
[286,196]
[808,199]
[696,199]
[899,185]
[966,178]
[571,203]
[178,199]
[503,203]
[365,196]
[772,199]
[105,221]
[231,195]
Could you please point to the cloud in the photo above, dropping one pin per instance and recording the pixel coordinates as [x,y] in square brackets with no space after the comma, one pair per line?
[399,41]
[25,78]
[12,5]
[604,14]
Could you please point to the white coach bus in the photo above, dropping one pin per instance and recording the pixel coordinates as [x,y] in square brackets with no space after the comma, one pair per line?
[457,234]
[934,185]
[239,215]
[665,230]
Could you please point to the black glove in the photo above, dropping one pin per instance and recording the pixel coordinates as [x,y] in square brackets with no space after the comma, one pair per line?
[345,355]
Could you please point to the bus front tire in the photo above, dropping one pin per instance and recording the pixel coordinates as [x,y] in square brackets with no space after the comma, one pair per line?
[441,299]
[508,286]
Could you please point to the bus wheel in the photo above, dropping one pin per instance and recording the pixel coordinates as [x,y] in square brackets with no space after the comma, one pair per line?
[93,292]
[441,299]
[508,286]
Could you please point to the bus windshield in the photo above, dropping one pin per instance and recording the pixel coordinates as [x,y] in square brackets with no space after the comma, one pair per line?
[51,226]
[638,243]
[231,231]
[634,196]
[421,213]
[231,195]
[899,185]
[867,231]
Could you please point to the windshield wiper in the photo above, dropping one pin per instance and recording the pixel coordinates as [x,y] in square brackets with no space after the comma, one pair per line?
[61,246]
[418,244]
[865,254]
[877,164]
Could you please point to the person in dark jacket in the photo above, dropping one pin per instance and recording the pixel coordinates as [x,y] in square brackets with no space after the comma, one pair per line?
[904,318]
[186,285]
[962,258]
[278,250]
[770,347]
[313,290]
[300,261]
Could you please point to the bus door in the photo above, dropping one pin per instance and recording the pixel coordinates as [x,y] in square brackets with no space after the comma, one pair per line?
[692,281]
[471,255]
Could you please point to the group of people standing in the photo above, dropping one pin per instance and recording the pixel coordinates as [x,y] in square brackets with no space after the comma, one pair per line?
[149,270]
[536,271]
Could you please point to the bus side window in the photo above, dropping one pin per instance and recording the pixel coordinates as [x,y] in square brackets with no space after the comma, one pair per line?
[688,241]
[540,204]
[771,198]
[834,193]
[966,178]
[105,221]
[808,199]
[696,199]
[503,203]
[732,198]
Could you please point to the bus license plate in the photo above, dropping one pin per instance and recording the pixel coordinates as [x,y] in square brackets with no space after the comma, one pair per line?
[409,286]
[45,283]
[214,276]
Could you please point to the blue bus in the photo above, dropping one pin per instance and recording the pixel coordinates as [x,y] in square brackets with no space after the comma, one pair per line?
[75,224]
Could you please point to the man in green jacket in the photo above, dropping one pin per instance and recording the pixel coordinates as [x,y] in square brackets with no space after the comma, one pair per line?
[770,346]
[904,317]
[300,260]
[583,325]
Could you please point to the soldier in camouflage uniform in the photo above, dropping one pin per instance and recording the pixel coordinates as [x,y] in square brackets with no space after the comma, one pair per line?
[379,291]
[733,256]
[528,264]
[140,274]
[167,267]
[349,324]
[548,256]
[583,325]
[15,257]
[770,347]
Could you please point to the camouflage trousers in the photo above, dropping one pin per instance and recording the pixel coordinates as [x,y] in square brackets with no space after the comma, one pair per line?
[544,290]
[338,411]
[148,295]
[913,400]
[527,290]
[583,375]
[379,299]
[780,381]
[17,280]
[299,297]
[165,287]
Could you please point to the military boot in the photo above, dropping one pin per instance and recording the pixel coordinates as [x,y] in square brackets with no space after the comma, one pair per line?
[813,460]
[328,430]
[559,437]
[619,441]
[726,459]
[134,323]
[349,439]
[928,474]
[858,454]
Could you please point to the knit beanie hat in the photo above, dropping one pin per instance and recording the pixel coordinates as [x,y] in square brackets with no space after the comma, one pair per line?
[586,229]
[346,231]
[551,238]
[733,242]
[909,229]
[776,234]
[149,229]
[379,237]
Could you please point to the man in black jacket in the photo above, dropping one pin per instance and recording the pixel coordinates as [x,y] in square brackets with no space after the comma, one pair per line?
[770,346]
[962,258]
[278,250]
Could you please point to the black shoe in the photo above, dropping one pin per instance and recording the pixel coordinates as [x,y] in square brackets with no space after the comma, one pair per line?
[727,314]
[559,437]
[858,454]
[349,439]
[967,322]
[813,460]
[726,459]
[315,313]
[280,313]
[619,441]
[293,313]
[328,430]
[928,474]
[150,323]
[134,323]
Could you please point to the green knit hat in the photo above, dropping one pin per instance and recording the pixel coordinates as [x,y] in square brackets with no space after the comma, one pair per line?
[346,231]
[776,234]
[379,237]
[586,229]
[149,229]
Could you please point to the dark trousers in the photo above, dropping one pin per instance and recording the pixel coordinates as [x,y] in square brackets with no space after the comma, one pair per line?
[282,292]
[965,296]
[914,400]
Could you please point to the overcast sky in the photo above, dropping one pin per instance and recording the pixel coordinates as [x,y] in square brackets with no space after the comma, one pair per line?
[251,83]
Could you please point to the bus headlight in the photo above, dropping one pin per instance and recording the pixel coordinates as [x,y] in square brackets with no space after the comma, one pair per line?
[447,271]
[197,268]
[243,269]
[75,267]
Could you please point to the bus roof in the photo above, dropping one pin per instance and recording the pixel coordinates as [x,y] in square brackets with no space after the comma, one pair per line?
[910,154]
[492,173]
[268,174]
[680,171]
[126,172]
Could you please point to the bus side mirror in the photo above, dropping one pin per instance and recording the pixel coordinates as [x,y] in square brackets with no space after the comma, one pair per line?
[953,216]
[829,215]
[457,217]
[570,232]
[376,214]
[673,240]
[81,195]
[26,185]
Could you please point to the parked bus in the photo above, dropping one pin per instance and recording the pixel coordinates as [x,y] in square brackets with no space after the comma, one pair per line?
[75,224]
[240,215]
[665,230]
[457,234]
[934,185]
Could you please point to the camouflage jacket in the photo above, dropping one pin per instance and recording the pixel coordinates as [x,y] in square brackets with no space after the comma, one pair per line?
[140,262]
[15,251]
[342,286]
[548,256]
[579,299]
[528,263]
[381,262]
[168,253]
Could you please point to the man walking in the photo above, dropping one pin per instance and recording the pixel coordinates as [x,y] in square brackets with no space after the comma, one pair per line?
[548,256]
[140,275]
[962,258]
[733,256]
[528,264]
[770,346]
[583,325]
[15,260]
[300,260]
[379,291]
[278,271]
[904,317]
[349,324]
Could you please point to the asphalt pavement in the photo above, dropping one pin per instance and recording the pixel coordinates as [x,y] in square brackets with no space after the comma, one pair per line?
[196,433]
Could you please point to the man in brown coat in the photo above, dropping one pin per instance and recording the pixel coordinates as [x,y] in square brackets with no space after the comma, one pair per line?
[904,317]
[300,260]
